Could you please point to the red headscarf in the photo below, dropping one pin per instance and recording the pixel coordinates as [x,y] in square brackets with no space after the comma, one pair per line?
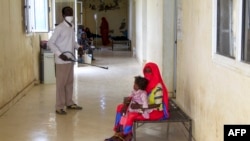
[155,78]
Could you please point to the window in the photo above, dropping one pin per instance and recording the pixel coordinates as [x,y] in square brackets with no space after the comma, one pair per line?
[36,16]
[231,35]
[246,31]
[224,28]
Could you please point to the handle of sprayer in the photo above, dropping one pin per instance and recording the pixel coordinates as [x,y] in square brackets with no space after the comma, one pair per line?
[70,59]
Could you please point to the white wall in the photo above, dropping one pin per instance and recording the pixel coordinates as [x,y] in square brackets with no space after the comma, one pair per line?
[154,35]
[19,55]
[139,30]
[149,31]
[210,92]
[168,54]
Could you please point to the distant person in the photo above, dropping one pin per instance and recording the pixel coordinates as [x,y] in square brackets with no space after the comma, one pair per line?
[89,33]
[86,45]
[61,41]
[90,36]
[105,31]
[80,31]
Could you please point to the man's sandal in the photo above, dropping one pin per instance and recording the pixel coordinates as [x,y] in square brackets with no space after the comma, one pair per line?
[74,107]
[61,112]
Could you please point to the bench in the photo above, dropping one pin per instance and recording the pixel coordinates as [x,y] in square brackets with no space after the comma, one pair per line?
[176,115]
[120,40]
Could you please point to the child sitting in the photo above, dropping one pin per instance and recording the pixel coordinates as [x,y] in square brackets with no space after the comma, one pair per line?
[139,95]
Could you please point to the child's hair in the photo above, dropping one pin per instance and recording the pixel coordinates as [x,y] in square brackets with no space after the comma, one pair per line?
[141,82]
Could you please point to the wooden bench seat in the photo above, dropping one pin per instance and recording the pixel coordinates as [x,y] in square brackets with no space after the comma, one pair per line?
[176,115]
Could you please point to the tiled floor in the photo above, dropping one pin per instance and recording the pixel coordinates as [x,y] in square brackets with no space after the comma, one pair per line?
[98,90]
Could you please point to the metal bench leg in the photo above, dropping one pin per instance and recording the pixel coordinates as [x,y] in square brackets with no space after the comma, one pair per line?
[112,45]
[134,131]
[167,130]
[190,131]
[129,45]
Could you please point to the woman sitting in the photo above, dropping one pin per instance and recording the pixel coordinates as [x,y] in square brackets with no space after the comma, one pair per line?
[157,101]
[85,43]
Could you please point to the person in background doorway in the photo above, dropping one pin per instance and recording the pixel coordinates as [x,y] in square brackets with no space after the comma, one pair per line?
[62,41]
[105,31]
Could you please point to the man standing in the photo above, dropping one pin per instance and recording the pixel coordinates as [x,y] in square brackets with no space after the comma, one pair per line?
[63,40]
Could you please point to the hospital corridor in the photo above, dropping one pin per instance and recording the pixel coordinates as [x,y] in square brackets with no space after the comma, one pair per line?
[98,91]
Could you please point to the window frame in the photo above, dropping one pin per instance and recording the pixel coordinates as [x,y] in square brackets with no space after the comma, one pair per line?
[225,30]
[235,64]
[245,28]
[33,16]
